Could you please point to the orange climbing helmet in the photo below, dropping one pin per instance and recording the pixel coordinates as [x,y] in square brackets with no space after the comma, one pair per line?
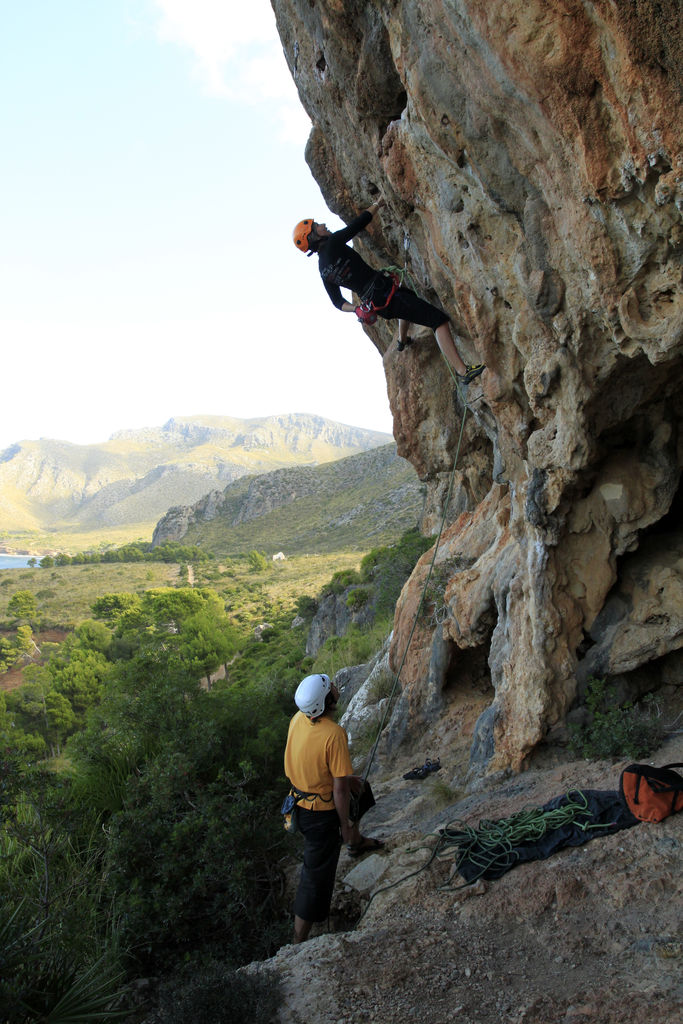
[301,233]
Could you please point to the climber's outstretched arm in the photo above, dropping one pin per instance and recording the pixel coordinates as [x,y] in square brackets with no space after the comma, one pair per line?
[377,205]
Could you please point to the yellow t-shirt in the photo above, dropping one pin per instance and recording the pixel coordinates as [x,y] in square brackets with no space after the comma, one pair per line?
[316,753]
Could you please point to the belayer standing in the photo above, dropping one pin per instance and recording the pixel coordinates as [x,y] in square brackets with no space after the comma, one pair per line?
[342,267]
[318,766]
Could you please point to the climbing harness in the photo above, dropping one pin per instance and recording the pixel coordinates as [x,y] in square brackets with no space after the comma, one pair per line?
[290,806]
[367,311]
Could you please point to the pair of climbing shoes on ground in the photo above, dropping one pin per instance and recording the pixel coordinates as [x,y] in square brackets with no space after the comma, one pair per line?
[424,770]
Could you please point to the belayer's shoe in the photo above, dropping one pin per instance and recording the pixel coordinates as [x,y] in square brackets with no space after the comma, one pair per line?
[404,344]
[472,370]
[424,770]
[366,845]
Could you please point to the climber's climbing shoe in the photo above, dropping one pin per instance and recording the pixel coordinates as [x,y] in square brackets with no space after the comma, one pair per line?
[424,770]
[404,344]
[472,370]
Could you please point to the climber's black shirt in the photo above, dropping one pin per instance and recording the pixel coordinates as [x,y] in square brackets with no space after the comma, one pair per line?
[341,267]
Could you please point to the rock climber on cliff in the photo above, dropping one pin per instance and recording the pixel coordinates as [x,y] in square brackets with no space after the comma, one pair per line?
[380,294]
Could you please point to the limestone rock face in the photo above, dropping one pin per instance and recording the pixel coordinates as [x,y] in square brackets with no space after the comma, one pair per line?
[530,157]
[333,618]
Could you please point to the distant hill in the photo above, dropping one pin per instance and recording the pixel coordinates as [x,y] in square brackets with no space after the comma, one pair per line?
[138,474]
[358,502]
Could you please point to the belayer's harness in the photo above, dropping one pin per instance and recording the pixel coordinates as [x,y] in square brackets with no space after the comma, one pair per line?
[367,311]
[290,805]
[299,794]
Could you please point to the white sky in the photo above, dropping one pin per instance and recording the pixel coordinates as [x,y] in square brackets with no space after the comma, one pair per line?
[151,173]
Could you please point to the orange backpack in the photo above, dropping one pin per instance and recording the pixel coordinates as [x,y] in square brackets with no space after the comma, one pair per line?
[652,794]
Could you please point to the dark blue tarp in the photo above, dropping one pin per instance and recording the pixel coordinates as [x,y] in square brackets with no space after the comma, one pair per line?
[481,857]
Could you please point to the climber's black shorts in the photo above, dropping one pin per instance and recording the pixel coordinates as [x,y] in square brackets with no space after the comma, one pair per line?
[322,843]
[406,305]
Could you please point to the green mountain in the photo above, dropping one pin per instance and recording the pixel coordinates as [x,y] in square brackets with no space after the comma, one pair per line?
[358,502]
[135,476]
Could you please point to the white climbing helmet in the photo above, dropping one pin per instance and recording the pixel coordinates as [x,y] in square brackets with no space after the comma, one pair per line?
[310,694]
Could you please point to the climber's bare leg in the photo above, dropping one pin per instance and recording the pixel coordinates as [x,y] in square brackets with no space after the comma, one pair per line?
[403,331]
[447,345]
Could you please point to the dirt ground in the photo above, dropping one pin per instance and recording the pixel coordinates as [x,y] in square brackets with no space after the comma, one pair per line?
[14,677]
[590,936]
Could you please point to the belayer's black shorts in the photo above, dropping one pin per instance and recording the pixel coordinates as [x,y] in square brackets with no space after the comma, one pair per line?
[322,843]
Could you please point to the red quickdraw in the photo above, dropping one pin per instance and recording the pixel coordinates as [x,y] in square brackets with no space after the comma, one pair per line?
[367,311]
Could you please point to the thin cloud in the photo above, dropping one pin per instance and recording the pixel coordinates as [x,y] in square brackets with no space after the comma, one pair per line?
[214,30]
[237,50]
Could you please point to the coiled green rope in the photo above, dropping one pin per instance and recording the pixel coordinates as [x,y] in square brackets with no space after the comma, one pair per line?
[491,846]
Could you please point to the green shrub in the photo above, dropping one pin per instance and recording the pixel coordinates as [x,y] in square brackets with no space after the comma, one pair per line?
[341,580]
[357,599]
[59,952]
[257,561]
[442,793]
[630,730]
[388,568]
[187,855]
[306,606]
[382,686]
[358,645]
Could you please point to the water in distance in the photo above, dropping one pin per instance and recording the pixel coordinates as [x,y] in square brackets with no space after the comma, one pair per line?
[15,561]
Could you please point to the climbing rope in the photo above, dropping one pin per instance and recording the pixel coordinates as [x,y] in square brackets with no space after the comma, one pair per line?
[463,396]
[491,847]
[402,274]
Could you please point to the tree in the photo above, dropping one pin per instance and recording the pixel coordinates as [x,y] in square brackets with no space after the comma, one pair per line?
[24,641]
[56,964]
[207,642]
[5,721]
[28,701]
[257,561]
[93,635]
[195,852]
[60,719]
[78,674]
[111,607]
[7,654]
[23,605]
